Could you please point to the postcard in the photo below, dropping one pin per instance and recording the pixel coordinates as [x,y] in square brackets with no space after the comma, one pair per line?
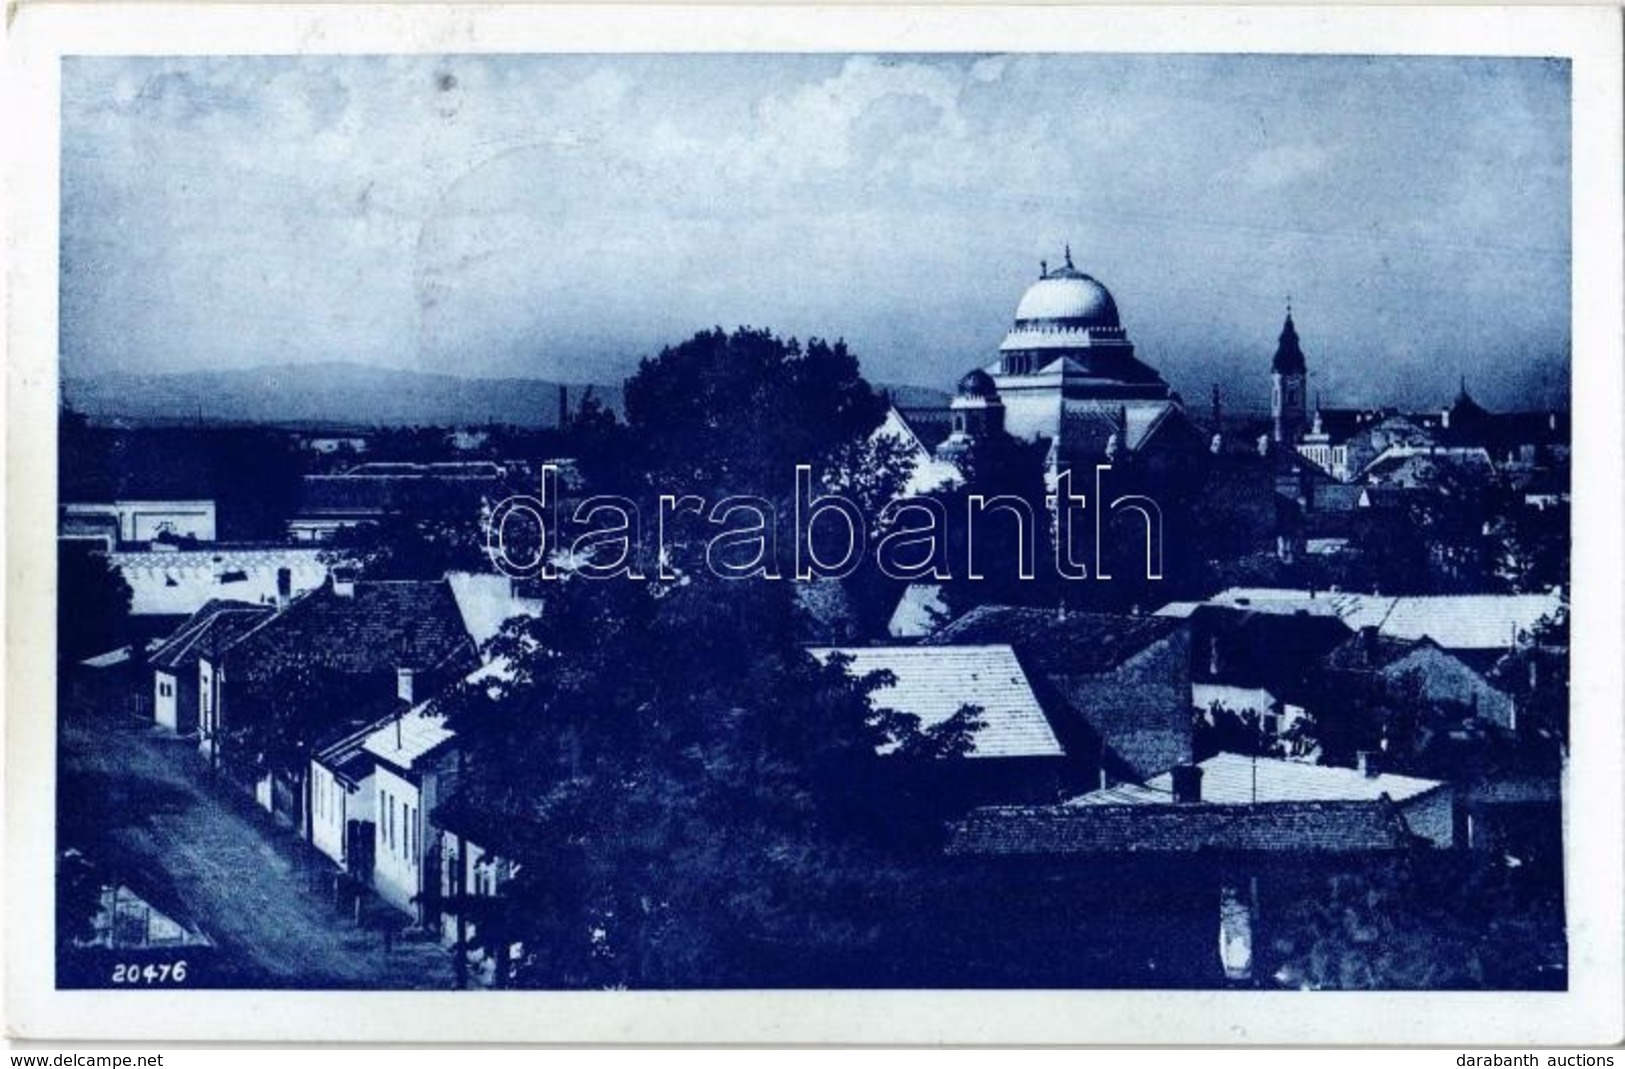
[881,524]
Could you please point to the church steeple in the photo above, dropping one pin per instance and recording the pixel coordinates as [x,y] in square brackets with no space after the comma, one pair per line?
[1289,373]
[1288,353]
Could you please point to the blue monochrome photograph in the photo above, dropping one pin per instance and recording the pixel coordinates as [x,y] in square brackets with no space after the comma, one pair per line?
[725,521]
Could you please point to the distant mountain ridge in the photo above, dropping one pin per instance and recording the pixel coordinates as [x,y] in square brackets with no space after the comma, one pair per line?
[327,394]
[337,395]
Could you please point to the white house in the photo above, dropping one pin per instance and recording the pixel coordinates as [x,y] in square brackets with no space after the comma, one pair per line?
[413,772]
[175,674]
[343,802]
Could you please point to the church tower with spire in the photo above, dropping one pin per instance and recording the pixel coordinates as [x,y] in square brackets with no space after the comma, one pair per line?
[1289,402]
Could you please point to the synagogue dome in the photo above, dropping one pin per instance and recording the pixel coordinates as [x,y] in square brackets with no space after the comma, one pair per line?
[1066,299]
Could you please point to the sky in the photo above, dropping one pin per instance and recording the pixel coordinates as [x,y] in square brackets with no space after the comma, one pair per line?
[560,217]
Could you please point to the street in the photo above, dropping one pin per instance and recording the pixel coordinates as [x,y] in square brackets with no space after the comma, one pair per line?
[139,805]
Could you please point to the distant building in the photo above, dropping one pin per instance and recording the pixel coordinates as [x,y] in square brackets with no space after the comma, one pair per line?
[1121,684]
[1417,669]
[180,582]
[1067,372]
[1477,627]
[1258,662]
[931,472]
[137,522]
[384,642]
[1288,387]
[369,493]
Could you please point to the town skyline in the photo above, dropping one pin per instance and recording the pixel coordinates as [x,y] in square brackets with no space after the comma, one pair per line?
[561,217]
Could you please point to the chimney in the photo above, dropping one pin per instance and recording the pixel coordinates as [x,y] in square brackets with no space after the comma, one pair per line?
[344,582]
[1368,643]
[1369,763]
[284,588]
[404,678]
[1187,784]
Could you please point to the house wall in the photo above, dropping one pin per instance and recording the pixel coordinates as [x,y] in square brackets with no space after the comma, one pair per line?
[332,806]
[164,700]
[1237,699]
[1033,412]
[1141,708]
[398,860]
[175,699]
[210,680]
[1447,679]
[478,879]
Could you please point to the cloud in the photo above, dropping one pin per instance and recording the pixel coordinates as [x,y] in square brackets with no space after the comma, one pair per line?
[817,127]
[1282,165]
[487,209]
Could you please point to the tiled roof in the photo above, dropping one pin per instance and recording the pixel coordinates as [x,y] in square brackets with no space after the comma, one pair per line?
[934,682]
[1454,621]
[383,625]
[1289,827]
[348,757]
[1086,428]
[1468,621]
[1229,779]
[930,426]
[1052,642]
[213,627]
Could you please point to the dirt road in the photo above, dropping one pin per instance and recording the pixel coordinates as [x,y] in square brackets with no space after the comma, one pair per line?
[141,806]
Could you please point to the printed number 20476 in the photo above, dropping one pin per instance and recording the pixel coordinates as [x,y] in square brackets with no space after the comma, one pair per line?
[167,973]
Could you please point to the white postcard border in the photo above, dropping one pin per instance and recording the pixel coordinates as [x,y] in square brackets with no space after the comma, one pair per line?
[1591,1012]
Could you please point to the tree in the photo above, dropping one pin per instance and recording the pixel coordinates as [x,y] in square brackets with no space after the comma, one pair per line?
[704,801]
[1535,674]
[735,413]
[1220,729]
[93,603]
[416,546]
[999,465]
[280,717]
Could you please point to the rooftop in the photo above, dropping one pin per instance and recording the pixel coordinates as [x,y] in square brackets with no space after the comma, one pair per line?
[934,682]
[381,625]
[417,733]
[1055,642]
[215,626]
[1454,621]
[1298,828]
[1229,779]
